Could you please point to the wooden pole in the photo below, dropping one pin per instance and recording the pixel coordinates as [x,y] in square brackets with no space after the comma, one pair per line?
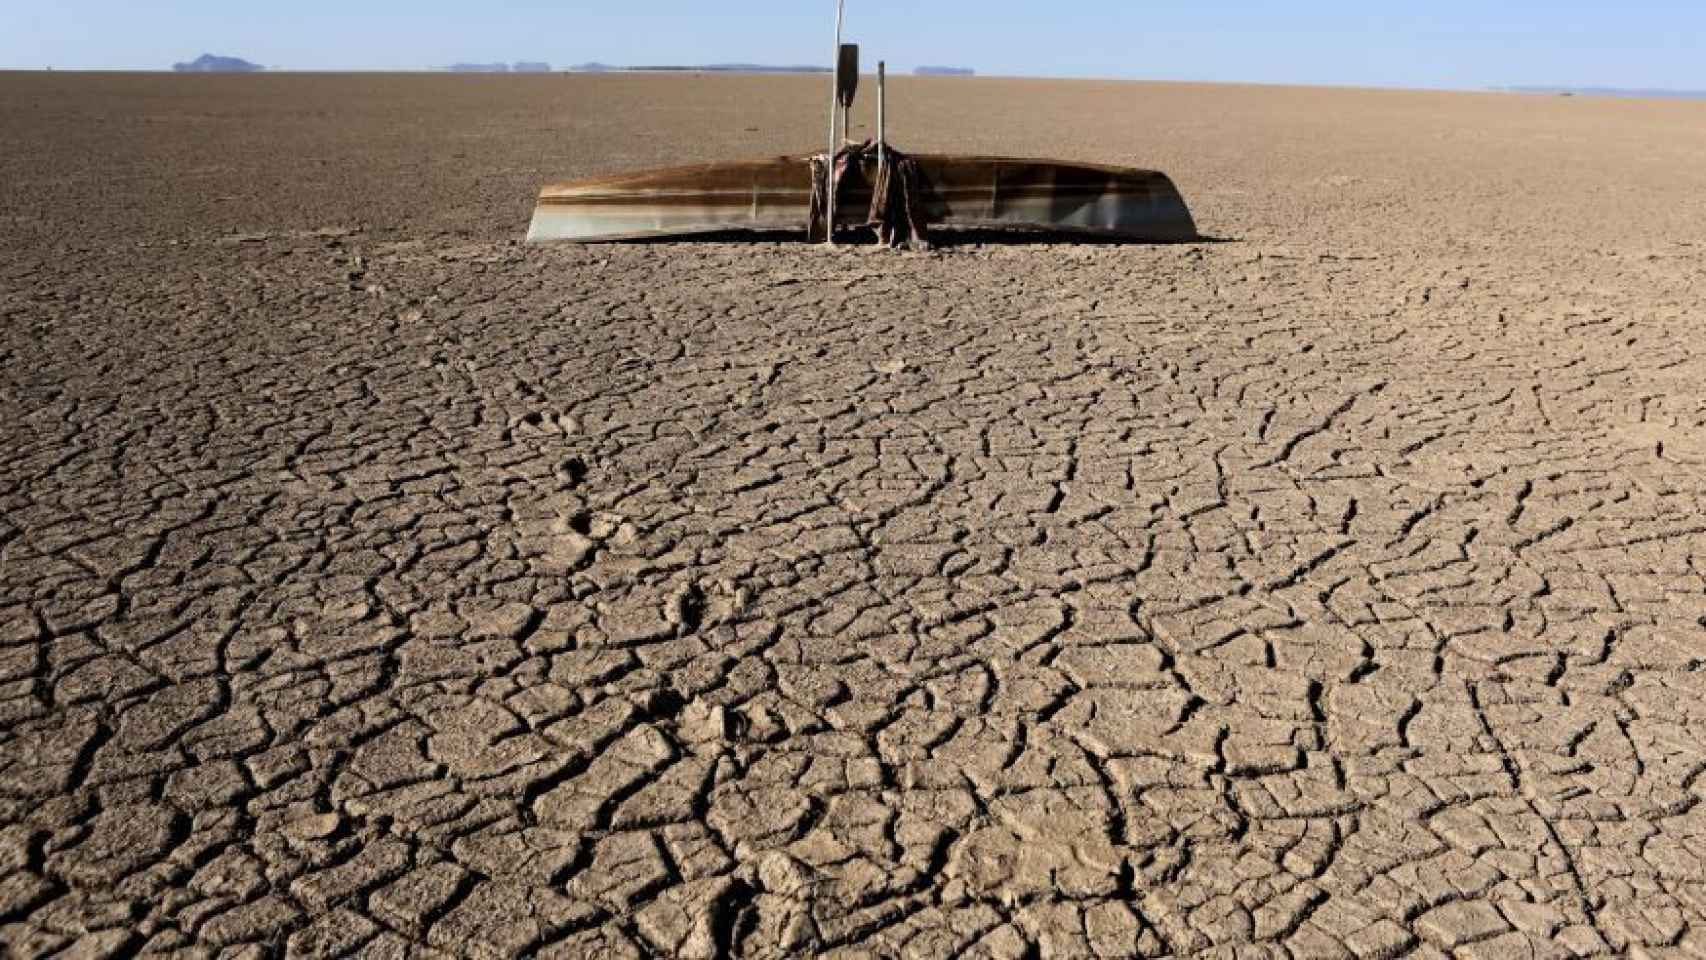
[834,140]
[882,119]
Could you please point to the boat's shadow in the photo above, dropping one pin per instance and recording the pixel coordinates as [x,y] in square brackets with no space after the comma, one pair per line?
[980,237]
[941,238]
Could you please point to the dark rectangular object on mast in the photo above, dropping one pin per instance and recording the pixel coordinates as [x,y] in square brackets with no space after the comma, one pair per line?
[847,75]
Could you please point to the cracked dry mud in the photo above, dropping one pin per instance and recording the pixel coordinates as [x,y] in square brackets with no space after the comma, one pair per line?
[370,584]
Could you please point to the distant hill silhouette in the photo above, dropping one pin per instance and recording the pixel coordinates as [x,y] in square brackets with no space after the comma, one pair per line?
[209,63]
[520,66]
[1612,92]
[945,72]
[596,67]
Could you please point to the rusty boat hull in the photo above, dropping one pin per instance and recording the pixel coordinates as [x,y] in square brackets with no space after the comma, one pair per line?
[775,196]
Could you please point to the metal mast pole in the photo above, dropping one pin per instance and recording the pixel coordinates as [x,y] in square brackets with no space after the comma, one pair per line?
[834,141]
[882,104]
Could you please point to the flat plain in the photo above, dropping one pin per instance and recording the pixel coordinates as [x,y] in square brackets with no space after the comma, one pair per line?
[371,583]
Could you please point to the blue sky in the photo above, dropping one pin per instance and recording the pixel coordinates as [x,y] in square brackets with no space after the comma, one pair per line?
[1448,43]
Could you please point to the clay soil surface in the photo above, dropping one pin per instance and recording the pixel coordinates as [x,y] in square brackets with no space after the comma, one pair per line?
[371,582]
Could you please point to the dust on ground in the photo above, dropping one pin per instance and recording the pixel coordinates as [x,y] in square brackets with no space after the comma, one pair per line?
[369,581]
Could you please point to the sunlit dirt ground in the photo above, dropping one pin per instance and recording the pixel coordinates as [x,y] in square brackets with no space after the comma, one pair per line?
[371,582]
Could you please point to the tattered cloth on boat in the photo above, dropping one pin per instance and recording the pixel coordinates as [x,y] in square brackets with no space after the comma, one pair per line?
[897,196]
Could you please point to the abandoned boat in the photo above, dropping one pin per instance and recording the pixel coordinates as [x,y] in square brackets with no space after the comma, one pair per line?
[953,191]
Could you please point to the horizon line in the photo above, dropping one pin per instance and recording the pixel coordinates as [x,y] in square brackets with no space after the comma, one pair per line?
[755,69]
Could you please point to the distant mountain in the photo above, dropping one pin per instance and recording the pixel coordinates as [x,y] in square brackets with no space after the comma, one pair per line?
[945,72]
[209,63]
[727,68]
[1610,92]
[596,67]
[520,66]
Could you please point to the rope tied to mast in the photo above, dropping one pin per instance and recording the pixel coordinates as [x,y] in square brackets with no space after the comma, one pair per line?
[897,194]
